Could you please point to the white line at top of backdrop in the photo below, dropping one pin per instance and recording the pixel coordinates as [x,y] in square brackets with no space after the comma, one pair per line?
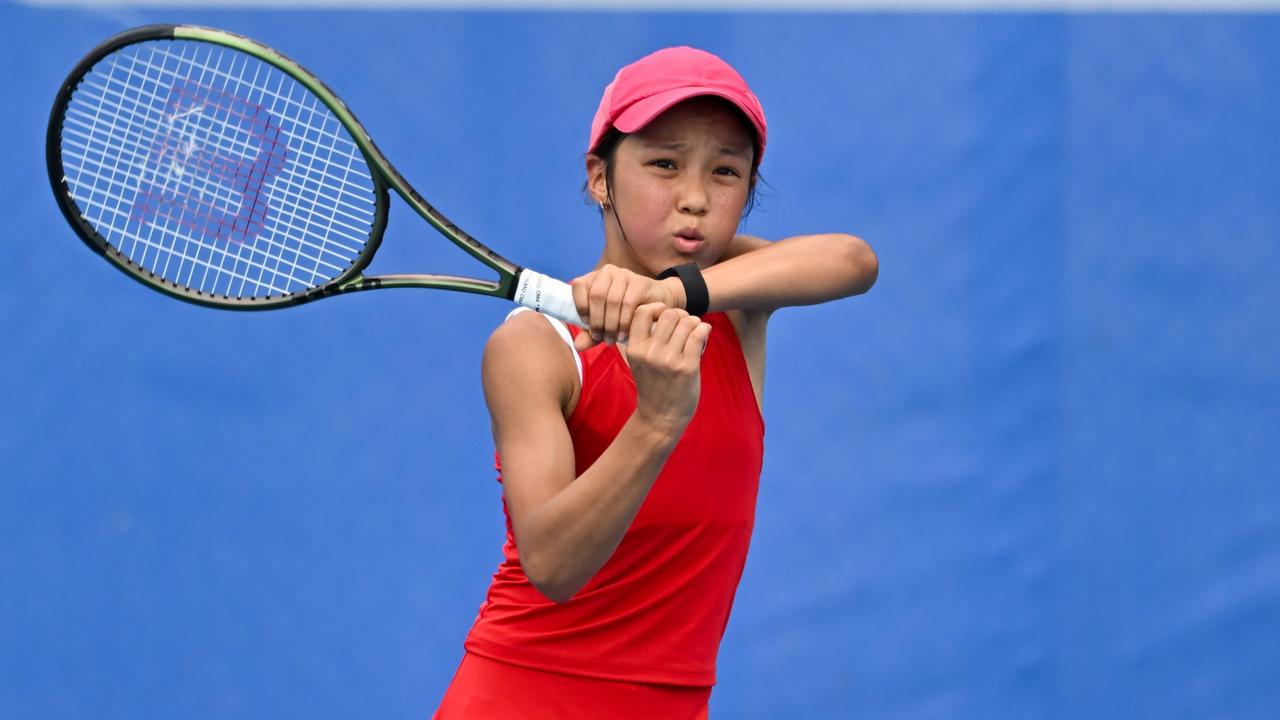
[717,5]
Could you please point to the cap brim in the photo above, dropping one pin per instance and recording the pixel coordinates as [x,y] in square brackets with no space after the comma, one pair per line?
[643,112]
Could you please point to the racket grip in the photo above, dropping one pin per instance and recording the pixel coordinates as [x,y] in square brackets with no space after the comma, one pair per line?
[548,296]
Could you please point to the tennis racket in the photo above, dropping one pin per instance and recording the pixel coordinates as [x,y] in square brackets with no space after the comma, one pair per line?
[214,169]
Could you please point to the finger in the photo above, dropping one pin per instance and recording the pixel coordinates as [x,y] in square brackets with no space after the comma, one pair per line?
[613,307]
[597,297]
[635,296]
[680,333]
[696,344]
[642,322]
[583,341]
[666,325]
[580,286]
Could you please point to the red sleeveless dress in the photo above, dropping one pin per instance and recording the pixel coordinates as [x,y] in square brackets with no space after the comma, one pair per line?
[652,618]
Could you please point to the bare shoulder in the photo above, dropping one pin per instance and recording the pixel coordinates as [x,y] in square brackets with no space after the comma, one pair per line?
[526,358]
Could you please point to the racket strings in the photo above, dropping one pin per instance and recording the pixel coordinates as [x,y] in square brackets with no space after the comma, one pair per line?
[128,145]
[295,213]
[292,211]
[216,171]
[147,243]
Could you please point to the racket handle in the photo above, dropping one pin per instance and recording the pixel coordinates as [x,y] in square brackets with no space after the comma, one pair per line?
[548,296]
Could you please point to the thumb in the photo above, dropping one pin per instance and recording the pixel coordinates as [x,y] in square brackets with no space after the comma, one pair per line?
[583,341]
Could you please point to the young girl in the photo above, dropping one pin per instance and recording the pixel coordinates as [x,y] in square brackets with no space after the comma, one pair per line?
[630,454]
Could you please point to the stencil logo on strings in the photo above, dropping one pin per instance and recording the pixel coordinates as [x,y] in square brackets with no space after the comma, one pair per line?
[214,152]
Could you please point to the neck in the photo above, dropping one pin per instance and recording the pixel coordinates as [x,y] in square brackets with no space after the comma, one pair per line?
[617,251]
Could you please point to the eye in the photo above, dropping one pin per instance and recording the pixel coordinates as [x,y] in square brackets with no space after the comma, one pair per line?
[664,164]
[727,171]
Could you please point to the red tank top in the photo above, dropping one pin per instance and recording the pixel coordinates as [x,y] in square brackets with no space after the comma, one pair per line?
[657,609]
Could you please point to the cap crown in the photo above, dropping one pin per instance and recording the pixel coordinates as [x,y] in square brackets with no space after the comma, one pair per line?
[653,84]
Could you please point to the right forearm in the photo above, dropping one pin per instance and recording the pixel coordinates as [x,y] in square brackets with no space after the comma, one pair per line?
[571,535]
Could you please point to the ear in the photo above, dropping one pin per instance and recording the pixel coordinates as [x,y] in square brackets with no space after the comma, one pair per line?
[597,181]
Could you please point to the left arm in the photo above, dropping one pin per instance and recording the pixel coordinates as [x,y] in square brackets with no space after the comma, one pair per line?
[755,274]
[755,277]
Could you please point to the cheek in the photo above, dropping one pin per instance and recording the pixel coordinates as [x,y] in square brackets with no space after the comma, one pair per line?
[644,200]
[730,203]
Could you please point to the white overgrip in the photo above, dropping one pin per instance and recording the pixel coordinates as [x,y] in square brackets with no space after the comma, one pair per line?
[548,296]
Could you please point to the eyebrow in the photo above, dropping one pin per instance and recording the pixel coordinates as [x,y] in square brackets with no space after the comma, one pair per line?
[681,147]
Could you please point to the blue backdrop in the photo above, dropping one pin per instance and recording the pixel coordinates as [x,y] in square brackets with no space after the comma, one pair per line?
[1035,473]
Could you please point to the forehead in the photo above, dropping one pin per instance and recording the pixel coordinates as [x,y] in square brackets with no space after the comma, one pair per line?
[699,118]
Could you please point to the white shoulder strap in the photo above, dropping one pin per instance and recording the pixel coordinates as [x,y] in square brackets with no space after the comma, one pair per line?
[563,330]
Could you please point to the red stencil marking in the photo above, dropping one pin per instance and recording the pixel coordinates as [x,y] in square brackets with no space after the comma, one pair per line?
[212,156]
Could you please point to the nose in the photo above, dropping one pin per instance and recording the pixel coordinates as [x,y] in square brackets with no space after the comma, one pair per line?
[693,199]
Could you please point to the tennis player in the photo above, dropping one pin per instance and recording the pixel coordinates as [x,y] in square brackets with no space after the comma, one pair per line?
[630,454]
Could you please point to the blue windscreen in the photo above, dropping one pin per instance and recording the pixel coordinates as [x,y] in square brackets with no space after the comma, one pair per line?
[1034,473]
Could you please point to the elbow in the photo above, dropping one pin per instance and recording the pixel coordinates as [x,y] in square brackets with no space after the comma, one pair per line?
[554,571]
[556,594]
[861,263]
[547,581]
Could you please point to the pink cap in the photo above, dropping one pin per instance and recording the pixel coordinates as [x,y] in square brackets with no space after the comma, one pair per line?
[651,85]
